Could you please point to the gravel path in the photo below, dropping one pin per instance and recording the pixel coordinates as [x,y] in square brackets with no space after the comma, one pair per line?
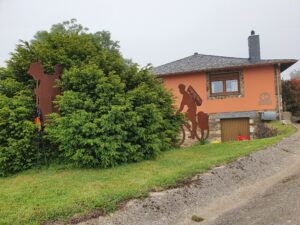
[279,205]
[218,194]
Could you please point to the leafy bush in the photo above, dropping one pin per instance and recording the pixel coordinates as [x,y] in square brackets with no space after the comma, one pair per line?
[111,111]
[103,123]
[264,131]
[17,132]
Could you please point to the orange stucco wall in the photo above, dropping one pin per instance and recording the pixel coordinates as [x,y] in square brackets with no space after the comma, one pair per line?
[256,81]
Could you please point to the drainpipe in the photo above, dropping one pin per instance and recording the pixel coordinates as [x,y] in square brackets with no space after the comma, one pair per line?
[278,91]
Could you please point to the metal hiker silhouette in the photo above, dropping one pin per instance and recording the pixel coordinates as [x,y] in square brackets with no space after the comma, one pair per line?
[46,89]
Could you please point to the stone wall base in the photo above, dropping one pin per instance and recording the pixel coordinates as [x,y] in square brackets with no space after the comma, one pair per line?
[215,125]
[215,122]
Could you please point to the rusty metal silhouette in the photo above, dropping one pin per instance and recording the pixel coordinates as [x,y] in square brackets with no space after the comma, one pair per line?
[191,99]
[46,89]
[203,124]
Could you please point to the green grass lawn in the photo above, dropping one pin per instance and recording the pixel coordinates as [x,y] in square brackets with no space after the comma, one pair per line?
[58,193]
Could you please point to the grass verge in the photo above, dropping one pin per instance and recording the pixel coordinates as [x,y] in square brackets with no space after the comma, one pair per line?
[59,193]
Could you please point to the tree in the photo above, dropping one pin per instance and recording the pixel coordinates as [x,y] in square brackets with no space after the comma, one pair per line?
[111,111]
[290,95]
[295,74]
[296,88]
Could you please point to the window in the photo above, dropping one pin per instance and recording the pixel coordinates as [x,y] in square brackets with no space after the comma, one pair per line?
[232,85]
[224,84]
[217,87]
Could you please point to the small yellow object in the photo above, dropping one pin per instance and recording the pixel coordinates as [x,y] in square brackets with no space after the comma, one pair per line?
[216,142]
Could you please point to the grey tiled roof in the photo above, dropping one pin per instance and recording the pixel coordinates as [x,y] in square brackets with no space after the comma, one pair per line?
[200,62]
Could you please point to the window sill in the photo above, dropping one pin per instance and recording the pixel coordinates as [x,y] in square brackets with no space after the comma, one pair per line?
[223,96]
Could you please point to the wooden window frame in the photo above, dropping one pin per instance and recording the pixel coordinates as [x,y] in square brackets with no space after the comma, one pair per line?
[224,77]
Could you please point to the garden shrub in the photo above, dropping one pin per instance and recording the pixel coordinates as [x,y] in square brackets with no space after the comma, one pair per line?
[264,131]
[111,111]
[102,123]
[18,150]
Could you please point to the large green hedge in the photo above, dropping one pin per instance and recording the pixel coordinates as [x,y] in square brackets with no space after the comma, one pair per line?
[18,149]
[111,111]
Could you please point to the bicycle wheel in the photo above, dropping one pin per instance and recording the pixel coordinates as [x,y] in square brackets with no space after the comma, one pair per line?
[180,139]
[197,134]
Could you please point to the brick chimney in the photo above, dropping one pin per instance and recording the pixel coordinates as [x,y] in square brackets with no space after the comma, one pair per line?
[254,47]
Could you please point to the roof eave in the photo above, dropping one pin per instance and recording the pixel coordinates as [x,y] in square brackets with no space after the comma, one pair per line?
[284,64]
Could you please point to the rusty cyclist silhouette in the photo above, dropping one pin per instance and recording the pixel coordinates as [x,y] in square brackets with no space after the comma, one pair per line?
[191,100]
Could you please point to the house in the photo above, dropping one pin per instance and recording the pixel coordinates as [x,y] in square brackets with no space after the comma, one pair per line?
[235,92]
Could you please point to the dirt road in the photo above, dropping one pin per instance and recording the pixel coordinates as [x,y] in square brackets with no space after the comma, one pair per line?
[263,188]
[279,205]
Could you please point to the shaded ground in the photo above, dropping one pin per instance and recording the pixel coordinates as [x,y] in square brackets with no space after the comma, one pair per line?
[259,189]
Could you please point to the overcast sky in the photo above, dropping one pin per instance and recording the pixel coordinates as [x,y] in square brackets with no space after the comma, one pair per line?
[161,31]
